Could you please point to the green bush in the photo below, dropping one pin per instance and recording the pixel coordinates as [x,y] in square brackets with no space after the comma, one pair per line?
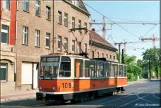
[131,77]
[145,74]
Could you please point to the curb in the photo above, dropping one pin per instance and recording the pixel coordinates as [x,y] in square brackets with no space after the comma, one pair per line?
[17,97]
[139,81]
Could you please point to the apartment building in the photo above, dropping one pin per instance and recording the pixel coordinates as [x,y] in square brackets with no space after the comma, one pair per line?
[34,38]
[7,48]
[100,48]
[34,28]
[70,14]
[43,28]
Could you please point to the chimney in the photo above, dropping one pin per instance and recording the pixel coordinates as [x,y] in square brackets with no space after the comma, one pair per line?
[93,29]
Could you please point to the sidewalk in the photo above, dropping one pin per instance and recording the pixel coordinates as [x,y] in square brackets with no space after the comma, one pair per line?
[18,95]
[138,81]
[24,94]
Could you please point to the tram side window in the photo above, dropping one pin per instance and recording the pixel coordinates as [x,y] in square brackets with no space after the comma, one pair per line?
[65,67]
[100,69]
[78,68]
[89,68]
[125,70]
[106,70]
[116,70]
[121,70]
[112,72]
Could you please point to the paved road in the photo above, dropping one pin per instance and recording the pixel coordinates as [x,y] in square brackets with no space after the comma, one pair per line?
[143,94]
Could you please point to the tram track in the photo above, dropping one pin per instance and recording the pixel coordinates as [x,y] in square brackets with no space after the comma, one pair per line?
[129,93]
[101,100]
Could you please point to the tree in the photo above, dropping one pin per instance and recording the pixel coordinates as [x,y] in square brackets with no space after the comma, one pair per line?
[133,70]
[152,55]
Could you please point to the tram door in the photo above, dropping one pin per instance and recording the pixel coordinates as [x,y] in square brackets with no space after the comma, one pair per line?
[77,68]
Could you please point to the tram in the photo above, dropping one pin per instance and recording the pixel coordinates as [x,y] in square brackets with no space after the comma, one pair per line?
[76,78]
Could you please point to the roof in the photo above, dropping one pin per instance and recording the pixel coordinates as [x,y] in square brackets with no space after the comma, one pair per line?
[93,36]
[78,5]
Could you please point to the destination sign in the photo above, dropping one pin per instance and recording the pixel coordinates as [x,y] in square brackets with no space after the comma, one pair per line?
[53,59]
[50,59]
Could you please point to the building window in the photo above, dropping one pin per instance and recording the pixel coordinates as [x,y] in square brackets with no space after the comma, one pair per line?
[26,5]
[3,72]
[59,43]
[85,25]
[73,46]
[114,57]
[38,7]
[102,55]
[60,17]
[48,13]
[79,25]
[66,19]
[5,34]
[37,38]
[110,56]
[98,54]
[25,35]
[47,40]
[65,45]
[6,4]
[79,45]
[85,48]
[92,54]
[73,22]
[107,55]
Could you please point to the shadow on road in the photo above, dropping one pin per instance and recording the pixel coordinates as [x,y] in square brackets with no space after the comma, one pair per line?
[132,100]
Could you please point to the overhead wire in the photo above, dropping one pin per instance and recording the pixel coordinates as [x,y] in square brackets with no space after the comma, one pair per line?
[116,23]
[111,20]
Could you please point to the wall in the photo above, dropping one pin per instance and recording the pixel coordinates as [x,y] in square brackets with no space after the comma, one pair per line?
[64,31]
[7,51]
[101,50]
[30,53]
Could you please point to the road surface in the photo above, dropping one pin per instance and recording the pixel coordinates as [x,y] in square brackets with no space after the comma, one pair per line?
[142,94]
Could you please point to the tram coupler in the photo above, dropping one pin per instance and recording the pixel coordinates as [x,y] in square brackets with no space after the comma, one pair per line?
[40,96]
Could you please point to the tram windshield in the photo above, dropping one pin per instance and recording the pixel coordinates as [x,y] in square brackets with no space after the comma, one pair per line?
[49,67]
[49,72]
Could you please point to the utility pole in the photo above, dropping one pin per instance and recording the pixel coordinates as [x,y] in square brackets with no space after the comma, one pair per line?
[125,46]
[104,28]
[149,69]
[119,48]
[123,56]
[153,39]
[119,54]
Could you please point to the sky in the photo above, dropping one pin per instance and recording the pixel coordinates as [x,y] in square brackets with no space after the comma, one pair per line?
[127,11]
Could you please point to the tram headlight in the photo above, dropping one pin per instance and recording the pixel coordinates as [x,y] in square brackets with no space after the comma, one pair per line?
[54,88]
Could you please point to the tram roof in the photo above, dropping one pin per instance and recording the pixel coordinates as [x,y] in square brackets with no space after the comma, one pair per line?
[106,59]
[75,56]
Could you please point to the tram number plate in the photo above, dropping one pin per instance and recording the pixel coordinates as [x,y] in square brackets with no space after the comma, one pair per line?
[67,85]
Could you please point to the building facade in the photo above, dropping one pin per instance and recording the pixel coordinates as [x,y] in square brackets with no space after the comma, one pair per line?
[34,28]
[7,46]
[100,48]
[42,27]
[34,38]
[70,14]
